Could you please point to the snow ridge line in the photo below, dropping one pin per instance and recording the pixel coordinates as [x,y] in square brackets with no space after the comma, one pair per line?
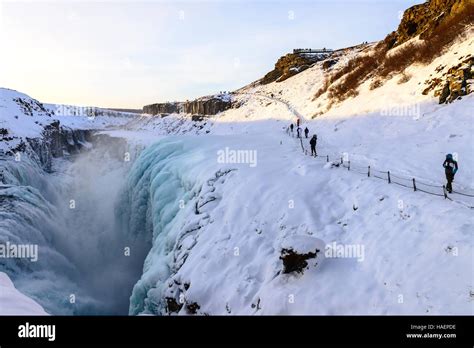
[347,164]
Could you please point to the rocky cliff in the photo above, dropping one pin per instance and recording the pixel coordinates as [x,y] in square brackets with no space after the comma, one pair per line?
[456,81]
[56,141]
[209,105]
[292,64]
[422,19]
[163,108]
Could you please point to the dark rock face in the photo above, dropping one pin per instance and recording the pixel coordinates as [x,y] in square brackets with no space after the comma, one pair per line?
[206,106]
[292,64]
[445,92]
[57,141]
[211,105]
[172,306]
[294,262]
[193,308]
[162,108]
[198,118]
[423,18]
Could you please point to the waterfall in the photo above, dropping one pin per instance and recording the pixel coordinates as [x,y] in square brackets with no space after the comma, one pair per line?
[165,201]
[69,214]
[111,233]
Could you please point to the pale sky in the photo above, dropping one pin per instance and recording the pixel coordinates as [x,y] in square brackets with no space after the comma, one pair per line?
[123,53]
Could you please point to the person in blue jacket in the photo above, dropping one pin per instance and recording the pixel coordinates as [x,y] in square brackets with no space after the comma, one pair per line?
[450,168]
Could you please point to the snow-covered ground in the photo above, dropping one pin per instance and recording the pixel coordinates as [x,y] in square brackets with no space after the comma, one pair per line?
[13,302]
[220,200]
[413,244]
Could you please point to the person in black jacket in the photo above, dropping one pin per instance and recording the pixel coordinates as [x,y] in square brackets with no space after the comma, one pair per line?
[450,168]
[312,142]
[298,132]
[306,131]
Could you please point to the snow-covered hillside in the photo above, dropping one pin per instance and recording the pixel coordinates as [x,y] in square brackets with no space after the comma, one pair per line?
[229,216]
[23,117]
[398,91]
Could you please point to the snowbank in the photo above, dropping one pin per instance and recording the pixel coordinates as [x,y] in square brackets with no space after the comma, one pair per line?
[13,302]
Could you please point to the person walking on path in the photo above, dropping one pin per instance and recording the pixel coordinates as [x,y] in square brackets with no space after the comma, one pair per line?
[298,132]
[450,168]
[291,128]
[306,131]
[312,142]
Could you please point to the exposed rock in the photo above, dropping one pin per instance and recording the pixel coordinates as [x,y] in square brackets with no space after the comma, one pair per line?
[433,83]
[172,306]
[292,64]
[210,105]
[457,81]
[423,18]
[192,308]
[162,108]
[328,63]
[207,106]
[56,141]
[294,262]
[29,106]
[198,118]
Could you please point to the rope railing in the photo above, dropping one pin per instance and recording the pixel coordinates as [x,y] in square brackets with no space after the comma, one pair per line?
[462,194]
[389,177]
[398,177]
[379,177]
[400,184]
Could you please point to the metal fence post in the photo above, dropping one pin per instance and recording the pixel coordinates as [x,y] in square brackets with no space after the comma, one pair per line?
[414,185]
[368,172]
[389,181]
[348,165]
[444,192]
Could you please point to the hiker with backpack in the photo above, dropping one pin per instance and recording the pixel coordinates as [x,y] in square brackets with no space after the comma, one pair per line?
[312,142]
[450,168]
[306,131]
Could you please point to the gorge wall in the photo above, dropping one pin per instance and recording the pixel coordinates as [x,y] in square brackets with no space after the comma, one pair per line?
[210,105]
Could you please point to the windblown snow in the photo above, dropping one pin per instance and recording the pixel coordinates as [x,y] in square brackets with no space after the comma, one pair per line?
[220,210]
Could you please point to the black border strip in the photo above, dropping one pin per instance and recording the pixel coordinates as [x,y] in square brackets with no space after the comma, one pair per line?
[290,330]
